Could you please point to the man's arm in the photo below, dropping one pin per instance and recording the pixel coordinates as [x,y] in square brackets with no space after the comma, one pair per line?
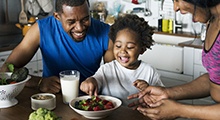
[25,50]
[109,56]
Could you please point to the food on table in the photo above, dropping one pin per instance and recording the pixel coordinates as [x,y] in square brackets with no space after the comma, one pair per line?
[43,97]
[10,67]
[20,74]
[16,76]
[94,104]
[43,114]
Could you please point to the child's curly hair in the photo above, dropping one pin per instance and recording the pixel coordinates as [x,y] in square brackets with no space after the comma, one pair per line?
[138,25]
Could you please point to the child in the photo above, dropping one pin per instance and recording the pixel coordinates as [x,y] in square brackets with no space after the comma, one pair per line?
[131,36]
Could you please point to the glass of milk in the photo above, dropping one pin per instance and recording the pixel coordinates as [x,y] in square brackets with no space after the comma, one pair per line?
[69,84]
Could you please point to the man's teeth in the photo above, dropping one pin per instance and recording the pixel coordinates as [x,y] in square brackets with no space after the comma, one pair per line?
[78,34]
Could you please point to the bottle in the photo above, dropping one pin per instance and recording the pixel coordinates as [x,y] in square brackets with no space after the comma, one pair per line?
[170,26]
[160,24]
[165,25]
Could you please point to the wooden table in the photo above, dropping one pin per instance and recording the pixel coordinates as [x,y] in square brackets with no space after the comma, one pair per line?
[22,110]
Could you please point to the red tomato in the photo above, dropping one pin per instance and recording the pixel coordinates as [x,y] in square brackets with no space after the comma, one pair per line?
[13,82]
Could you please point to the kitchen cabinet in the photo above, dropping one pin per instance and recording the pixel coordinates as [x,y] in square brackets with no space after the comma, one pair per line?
[193,62]
[193,66]
[198,67]
[34,66]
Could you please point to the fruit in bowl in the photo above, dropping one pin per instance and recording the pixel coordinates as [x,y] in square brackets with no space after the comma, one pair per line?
[11,84]
[95,107]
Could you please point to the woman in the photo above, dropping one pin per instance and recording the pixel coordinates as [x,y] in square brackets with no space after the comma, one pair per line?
[161,100]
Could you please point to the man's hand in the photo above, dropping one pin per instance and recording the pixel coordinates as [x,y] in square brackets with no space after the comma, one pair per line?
[50,84]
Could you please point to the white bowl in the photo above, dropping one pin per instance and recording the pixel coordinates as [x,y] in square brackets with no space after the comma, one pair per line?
[49,104]
[96,114]
[10,91]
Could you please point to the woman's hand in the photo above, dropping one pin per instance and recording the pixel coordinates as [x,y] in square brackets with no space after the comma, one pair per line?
[163,109]
[89,86]
[149,96]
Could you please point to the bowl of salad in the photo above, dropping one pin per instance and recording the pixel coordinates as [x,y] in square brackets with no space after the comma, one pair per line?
[11,84]
[95,107]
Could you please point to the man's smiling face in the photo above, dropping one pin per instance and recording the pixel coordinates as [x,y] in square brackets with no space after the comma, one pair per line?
[75,20]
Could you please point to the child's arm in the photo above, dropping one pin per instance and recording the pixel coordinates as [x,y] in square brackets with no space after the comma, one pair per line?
[89,86]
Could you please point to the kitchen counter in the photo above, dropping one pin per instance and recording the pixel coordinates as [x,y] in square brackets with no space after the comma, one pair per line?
[179,34]
[8,47]
[197,43]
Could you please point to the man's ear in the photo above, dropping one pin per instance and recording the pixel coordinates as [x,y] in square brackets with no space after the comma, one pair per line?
[57,15]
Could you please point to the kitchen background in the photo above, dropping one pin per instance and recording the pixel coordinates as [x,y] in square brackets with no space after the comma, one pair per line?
[10,34]
[152,11]
[176,64]
[158,8]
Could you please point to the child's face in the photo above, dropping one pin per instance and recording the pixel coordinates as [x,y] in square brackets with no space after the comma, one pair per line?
[127,48]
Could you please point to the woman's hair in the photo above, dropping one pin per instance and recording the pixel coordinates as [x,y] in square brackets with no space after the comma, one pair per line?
[143,31]
[204,3]
[59,4]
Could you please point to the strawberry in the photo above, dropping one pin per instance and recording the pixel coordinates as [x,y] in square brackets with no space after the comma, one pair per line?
[104,102]
[97,108]
[108,107]
[90,108]
[109,104]
[97,99]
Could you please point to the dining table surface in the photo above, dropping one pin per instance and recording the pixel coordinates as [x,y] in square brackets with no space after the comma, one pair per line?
[22,109]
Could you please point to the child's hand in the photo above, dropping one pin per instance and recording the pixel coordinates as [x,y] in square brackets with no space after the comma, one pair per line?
[89,86]
[140,84]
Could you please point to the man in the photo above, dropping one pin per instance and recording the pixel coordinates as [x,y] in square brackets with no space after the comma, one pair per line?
[70,39]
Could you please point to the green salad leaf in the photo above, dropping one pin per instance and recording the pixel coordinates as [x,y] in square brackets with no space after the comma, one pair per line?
[10,67]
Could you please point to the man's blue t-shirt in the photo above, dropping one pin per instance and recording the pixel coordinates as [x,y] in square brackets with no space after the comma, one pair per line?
[60,52]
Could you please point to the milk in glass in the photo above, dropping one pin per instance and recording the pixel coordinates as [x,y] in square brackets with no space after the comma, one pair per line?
[69,85]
